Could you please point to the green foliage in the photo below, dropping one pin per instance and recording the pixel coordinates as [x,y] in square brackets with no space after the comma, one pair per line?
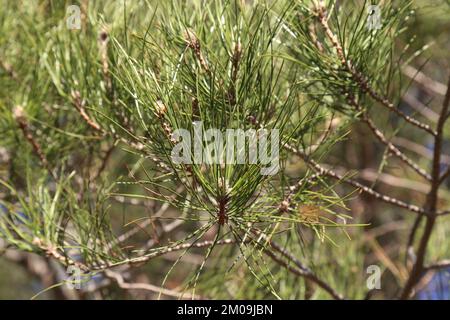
[87,120]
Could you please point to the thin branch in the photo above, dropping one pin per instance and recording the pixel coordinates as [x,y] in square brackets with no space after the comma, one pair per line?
[425,81]
[445,175]
[392,148]
[323,171]
[53,252]
[20,117]
[438,265]
[300,269]
[420,107]
[364,85]
[373,176]
[352,101]
[432,201]
[148,287]
[118,278]
[360,79]
[79,106]
[142,259]
[194,43]
[419,149]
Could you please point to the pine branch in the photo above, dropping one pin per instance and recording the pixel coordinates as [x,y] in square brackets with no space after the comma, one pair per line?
[300,269]
[444,175]
[359,78]
[321,170]
[20,117]
[443,264]
[118,278]
[321,13]
[432,201]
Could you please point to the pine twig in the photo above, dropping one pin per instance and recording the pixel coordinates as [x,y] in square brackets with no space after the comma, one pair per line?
[118,278]
[330,173]
[79,106]
[360,79]
[445,175]
[443,264]
[352,101]
[300,269]
[431,203]
[20,117]
[194,43]
[321,170]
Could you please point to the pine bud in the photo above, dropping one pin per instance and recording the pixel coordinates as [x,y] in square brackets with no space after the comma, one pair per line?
[191,39]
[284,206]
[237,53]
[19,114]
[160,108]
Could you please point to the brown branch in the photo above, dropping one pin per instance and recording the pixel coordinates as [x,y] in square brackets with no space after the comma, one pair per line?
[193,43]
[330,173]
[417,105]
[118,278]
[53,252]
[300,269]
[392,148]
[360,79]
[323,171]
[419,149]
[394,181]
[438,265]
[80,107]
[431,202]
[321,10]
[364,85]
[152,255]
[445,175]
[21,119]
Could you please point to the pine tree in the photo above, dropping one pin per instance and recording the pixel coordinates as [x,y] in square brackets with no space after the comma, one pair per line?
[106,177]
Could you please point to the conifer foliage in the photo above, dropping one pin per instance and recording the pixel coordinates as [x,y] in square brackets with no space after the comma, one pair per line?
[224,149]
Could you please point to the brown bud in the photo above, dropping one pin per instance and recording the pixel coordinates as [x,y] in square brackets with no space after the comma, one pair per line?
[19,113]
[103,36]
[191,39]
[237,52]
[284,206]
[160,108]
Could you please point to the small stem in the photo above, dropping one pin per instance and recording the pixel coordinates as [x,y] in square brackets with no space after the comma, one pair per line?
[431,202]
[223,216]
[20,117]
